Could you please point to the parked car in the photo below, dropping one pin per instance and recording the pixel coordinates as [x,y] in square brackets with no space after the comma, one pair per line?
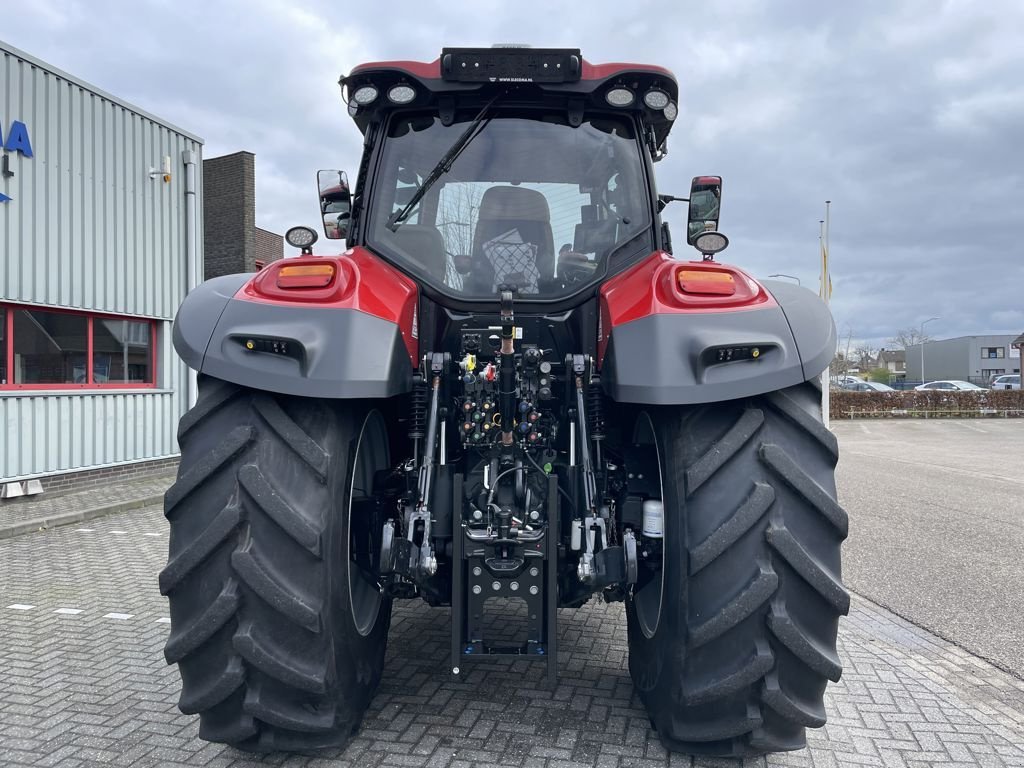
[1006,381]
[950,386]
[866,386]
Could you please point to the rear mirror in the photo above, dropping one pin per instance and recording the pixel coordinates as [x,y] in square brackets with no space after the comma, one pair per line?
[335,203]
[705,206]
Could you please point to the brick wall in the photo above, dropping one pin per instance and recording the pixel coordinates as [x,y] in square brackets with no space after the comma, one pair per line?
[231,241]
[229,211]
[269,247]
[77,481]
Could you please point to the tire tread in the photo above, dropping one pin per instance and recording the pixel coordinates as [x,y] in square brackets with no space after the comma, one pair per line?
[288,519]
[775,444]
[246,576]
[260,579]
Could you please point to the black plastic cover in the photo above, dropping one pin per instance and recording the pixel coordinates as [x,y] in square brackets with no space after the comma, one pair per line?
[511,65]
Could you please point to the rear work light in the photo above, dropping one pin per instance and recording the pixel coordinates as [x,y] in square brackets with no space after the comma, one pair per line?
[656,99]
[365,95]
[619,97]
[305,276]
[401,94]
[706,282]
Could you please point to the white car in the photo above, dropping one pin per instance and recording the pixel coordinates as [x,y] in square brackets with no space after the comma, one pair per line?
[1007,381]
[950,385]
[867,386]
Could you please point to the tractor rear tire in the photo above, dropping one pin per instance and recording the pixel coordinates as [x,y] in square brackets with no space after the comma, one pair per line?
[278,627]
[732,656]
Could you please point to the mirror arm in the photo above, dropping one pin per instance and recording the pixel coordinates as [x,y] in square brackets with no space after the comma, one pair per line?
[664,200]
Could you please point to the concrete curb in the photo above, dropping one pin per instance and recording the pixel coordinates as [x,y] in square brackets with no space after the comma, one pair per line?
[68,518]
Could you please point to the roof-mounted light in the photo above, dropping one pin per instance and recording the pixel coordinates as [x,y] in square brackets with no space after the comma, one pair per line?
[711,242]
[401,94]
[656,99]
[671,111]
[619,97]
[300,237]
[367,94]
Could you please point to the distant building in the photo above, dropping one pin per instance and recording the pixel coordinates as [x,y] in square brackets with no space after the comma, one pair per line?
[967,358]
[232,243]
[894,361]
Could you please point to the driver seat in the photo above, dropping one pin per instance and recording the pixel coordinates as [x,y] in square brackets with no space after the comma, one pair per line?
[512,243]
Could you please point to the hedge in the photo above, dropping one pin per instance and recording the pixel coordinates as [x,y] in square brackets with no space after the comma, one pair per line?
[999,403]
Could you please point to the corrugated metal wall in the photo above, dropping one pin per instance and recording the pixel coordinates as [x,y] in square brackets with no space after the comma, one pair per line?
[87,228]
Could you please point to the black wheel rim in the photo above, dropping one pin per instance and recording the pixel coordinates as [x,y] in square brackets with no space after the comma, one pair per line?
[649,590]
[364,588]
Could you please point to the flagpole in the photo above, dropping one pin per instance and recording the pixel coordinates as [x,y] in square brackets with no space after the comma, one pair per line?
[825,291]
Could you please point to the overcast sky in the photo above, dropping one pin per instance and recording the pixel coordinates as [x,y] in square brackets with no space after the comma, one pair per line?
[908,115]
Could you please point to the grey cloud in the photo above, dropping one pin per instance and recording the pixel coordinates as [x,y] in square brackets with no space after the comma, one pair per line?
[908,115]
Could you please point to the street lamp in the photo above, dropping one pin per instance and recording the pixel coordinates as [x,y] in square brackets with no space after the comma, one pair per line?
[923,379]
[791,277]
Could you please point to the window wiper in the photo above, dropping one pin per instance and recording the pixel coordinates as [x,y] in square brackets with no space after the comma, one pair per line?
[474,129]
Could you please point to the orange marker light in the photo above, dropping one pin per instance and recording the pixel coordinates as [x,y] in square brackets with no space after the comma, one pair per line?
[706,281]
[305,276]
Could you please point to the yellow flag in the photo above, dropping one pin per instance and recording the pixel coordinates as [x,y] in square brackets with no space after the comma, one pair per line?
[825,289]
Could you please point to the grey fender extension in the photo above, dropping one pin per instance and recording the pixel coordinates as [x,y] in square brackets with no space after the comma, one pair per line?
[328,352]
[669,359]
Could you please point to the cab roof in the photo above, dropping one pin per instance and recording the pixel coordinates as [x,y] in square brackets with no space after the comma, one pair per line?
[554,77]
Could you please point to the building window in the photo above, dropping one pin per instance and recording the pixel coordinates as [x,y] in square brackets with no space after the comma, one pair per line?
[993,353]
[60,349]
[49,347]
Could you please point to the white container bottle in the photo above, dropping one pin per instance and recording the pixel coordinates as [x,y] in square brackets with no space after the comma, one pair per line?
[654,519]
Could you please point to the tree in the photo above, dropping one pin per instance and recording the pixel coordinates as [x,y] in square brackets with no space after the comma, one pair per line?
[840,367]
[458,207]
[863,356]
[456,216]
[909,337]
[881,375]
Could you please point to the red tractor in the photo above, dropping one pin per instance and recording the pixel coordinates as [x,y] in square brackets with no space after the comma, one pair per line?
[507,391]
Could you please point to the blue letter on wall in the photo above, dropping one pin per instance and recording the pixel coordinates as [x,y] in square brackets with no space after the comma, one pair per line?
[17,139]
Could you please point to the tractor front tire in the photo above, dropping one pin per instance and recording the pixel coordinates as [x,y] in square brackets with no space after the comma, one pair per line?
[732,649]
[277,626]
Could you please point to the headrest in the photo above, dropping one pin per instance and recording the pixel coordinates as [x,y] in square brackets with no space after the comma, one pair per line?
[514,203]
[414,238]
[421,244]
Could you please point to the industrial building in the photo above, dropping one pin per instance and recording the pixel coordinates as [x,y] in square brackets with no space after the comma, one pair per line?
[100,238]
[966,358]
[102,212]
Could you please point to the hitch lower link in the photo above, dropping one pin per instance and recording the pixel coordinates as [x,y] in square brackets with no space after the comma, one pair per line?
[600,564]
[413,556]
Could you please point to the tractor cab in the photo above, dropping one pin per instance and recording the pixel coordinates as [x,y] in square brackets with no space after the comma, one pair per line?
[517,167]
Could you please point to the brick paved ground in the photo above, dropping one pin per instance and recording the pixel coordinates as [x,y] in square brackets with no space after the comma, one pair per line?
[91,688]
[49,505]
